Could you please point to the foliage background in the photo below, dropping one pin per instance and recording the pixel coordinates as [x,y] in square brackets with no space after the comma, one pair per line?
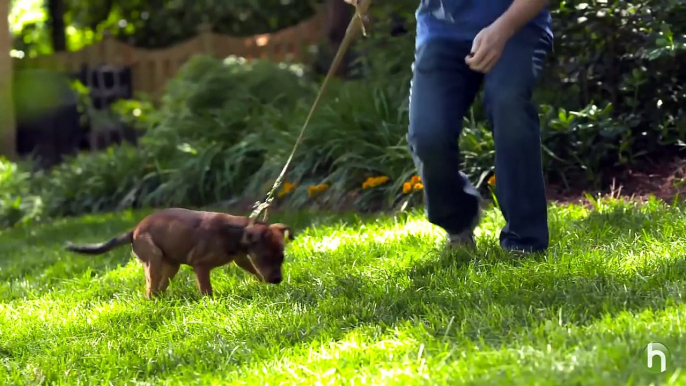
[612,98]
[150,23]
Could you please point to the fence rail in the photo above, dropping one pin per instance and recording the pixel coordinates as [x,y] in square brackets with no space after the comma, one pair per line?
[152,68]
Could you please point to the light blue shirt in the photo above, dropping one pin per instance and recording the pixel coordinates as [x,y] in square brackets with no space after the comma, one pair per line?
[463,19]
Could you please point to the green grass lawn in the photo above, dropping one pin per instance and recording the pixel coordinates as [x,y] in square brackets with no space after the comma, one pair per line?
[364,301]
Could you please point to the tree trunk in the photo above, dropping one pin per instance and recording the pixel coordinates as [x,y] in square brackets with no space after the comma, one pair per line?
[340,14]
[8,129]
[57,29]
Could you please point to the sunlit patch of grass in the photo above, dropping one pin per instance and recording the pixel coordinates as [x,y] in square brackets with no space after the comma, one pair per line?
[372,300]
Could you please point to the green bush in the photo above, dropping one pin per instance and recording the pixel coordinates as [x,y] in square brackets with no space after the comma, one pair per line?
[193,151]
[360,130]
[92,182]
[357,132]
[613,91]
[137,114]
[627,59]
[208,110]
[17,203]
[611,96]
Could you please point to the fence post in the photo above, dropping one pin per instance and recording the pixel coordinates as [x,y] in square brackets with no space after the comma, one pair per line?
[206,38]
[8,128]
[109,47]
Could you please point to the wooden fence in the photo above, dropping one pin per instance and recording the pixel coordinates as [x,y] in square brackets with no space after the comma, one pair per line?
[152,68]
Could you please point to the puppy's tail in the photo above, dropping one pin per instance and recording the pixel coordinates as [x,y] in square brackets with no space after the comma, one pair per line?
[97,249]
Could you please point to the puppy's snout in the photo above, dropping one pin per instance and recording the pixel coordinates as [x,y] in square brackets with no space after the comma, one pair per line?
[276,279]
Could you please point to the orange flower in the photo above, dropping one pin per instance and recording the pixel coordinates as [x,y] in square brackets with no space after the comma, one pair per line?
[415,179]
[374,181]
[287,188]
[491,181]
[418,186]
[314,189]
[407,187]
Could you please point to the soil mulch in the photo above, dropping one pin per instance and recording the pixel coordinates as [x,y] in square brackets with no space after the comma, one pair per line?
[665,180]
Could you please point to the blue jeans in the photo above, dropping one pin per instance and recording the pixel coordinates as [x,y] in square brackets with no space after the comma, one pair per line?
[443,88]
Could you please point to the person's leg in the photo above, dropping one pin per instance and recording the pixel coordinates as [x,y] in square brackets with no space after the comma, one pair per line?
[442,89]
[516,129]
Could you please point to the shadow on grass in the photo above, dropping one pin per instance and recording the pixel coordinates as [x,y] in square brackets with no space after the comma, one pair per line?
[35,256]
[489,292]
[100,226]
[434,294]
[630,219]
[490,295]
[490,311]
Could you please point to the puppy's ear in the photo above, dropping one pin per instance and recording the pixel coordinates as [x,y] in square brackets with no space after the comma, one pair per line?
[285,231]
[241,232]
[245,238]
[253,235]
[249,237]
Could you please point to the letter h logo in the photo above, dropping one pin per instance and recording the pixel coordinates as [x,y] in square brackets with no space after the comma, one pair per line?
[652,353]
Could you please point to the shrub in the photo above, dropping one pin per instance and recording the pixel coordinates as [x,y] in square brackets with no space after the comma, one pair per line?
[112,179]
[17,203]
[358,130]
[137,114]
[617,82]
[620,116]
[192,152]
[206,113]
[611,96]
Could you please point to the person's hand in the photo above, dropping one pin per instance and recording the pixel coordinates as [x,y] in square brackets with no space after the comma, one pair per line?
[487,47]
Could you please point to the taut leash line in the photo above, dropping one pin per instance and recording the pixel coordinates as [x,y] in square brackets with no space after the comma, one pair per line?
[355,22]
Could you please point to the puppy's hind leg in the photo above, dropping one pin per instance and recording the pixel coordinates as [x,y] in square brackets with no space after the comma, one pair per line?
[202,276]
[151,257]
[168,272]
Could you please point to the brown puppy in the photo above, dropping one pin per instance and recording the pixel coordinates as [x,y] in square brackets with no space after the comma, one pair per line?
[204,240]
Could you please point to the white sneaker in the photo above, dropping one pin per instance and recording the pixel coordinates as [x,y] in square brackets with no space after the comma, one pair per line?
[465,239]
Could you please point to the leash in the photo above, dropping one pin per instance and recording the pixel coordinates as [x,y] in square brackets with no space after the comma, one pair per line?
[355,22]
